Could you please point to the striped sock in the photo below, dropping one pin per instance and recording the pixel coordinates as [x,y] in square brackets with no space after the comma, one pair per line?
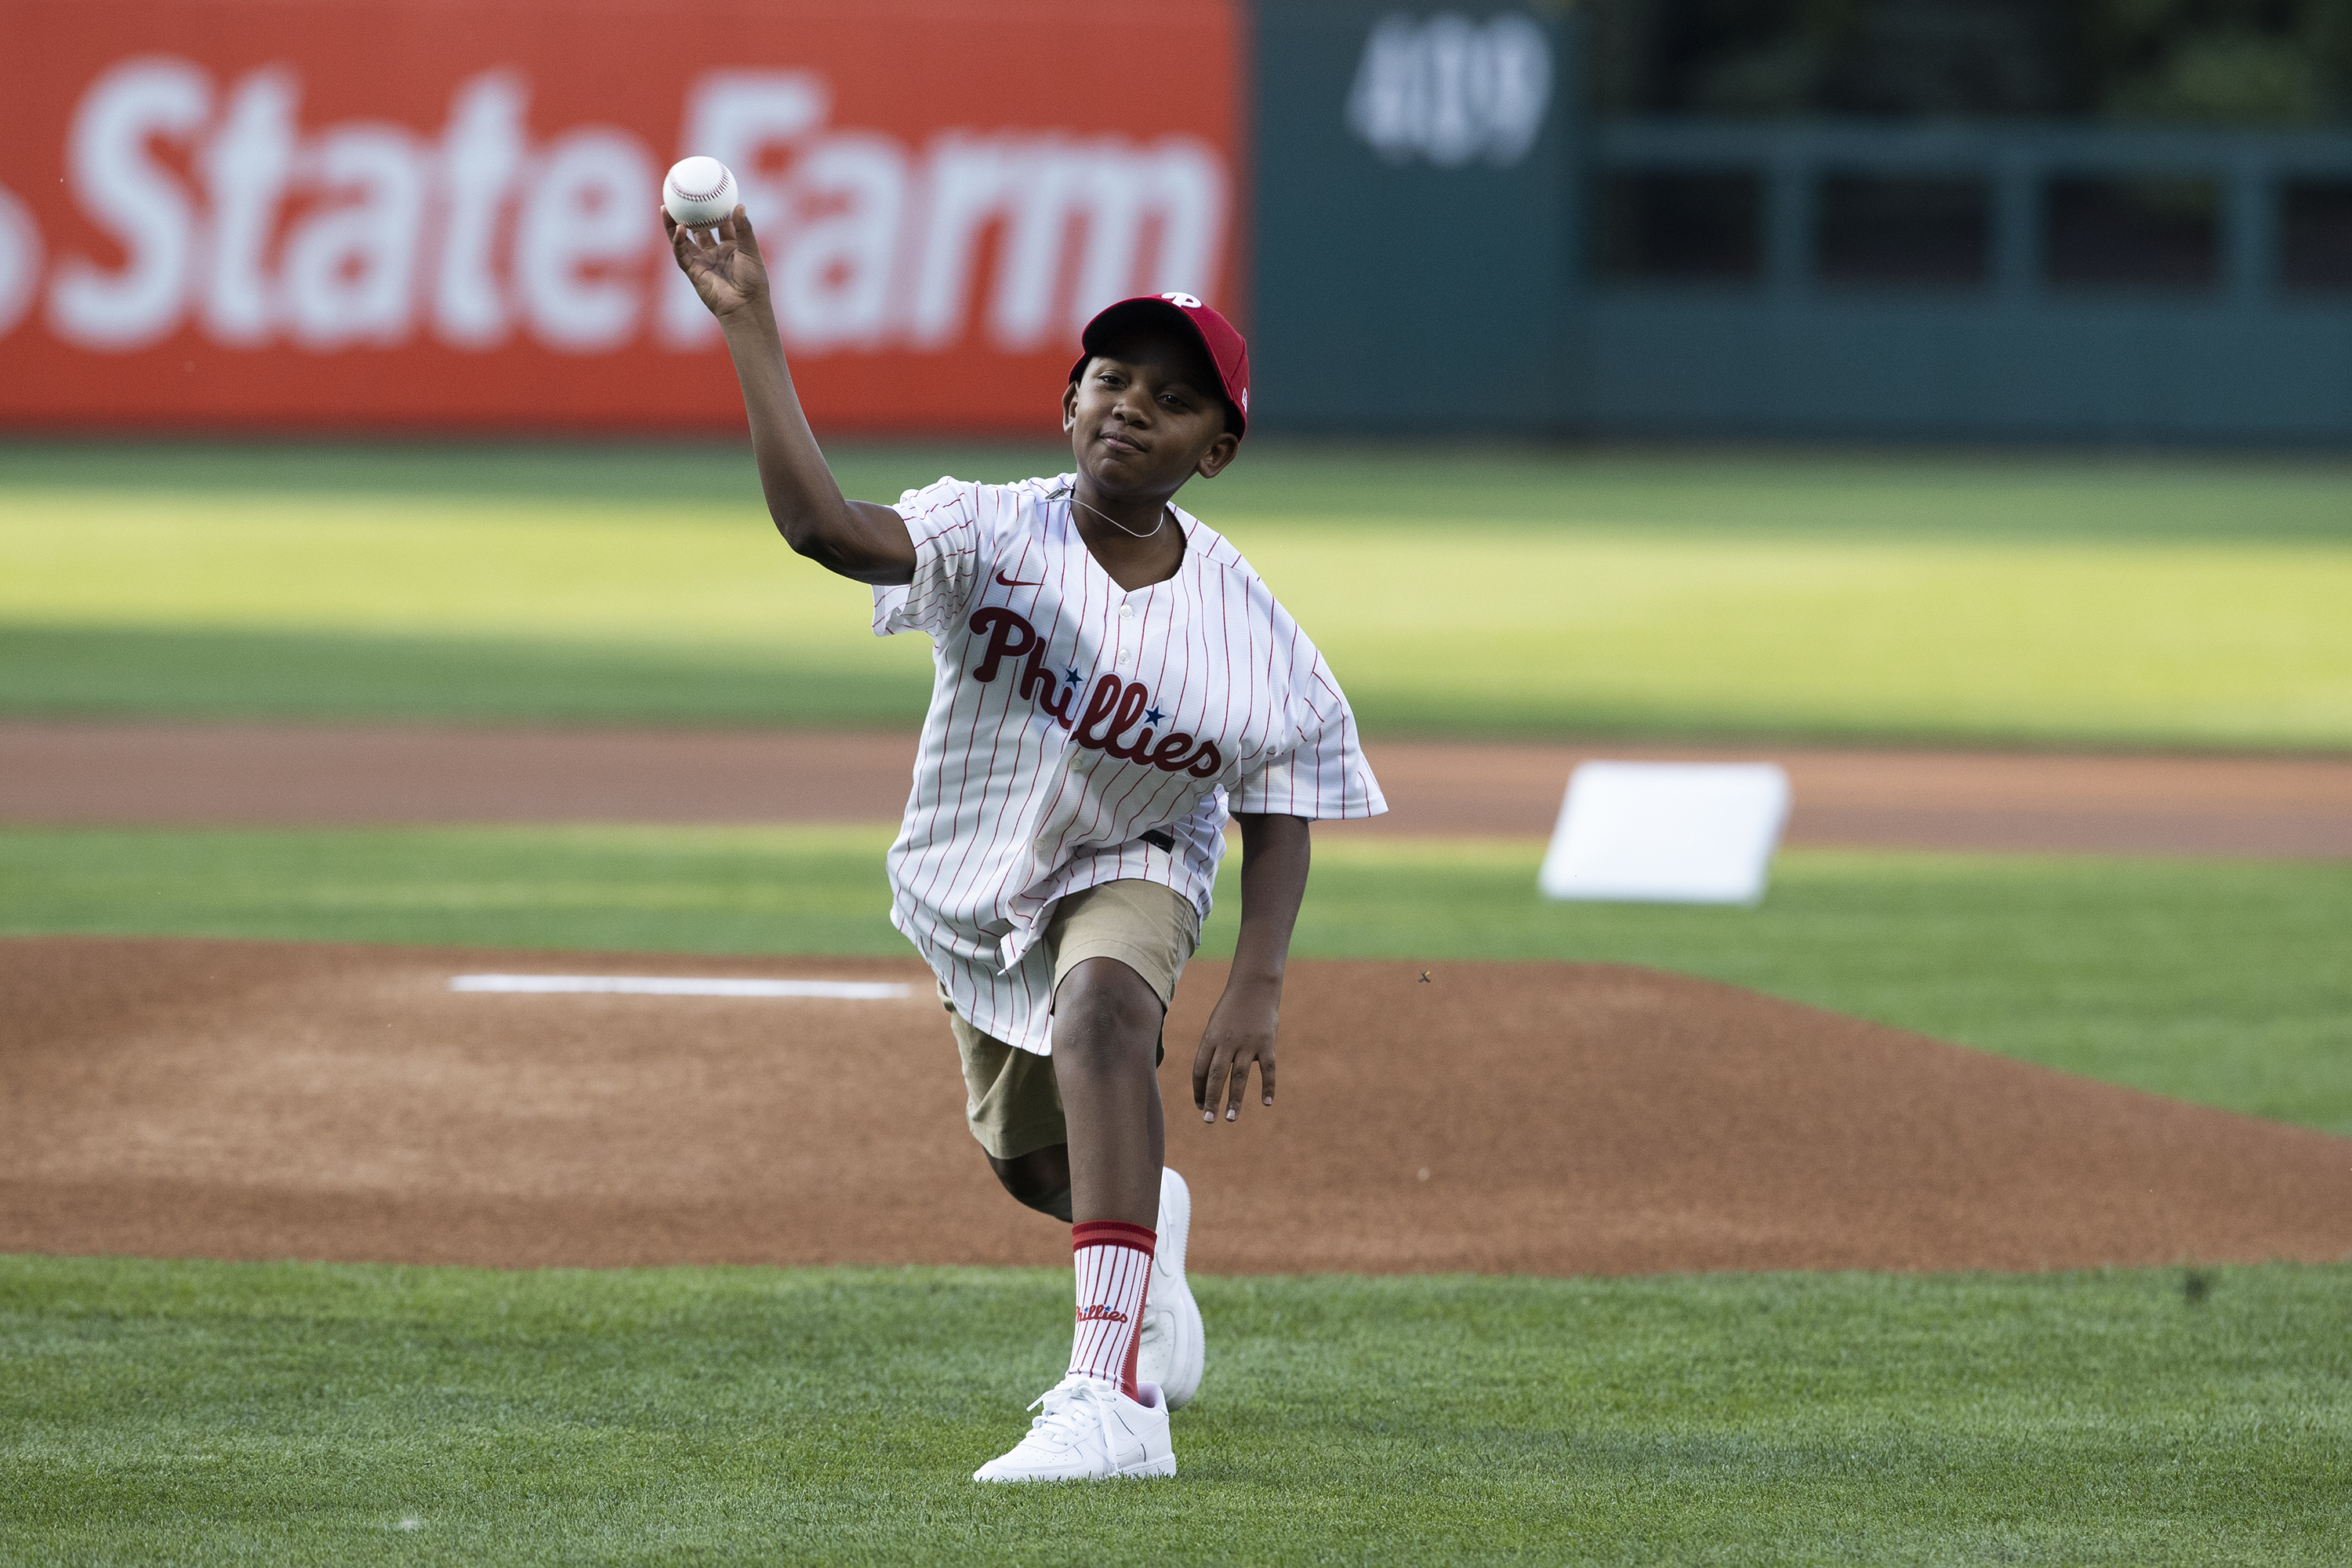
[1114,1264]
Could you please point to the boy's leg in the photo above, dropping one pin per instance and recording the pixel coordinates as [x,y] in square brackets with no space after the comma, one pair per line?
[1016,1114]
[1106,1036]
[1039,1180]
[1119,950]
[1107,1024]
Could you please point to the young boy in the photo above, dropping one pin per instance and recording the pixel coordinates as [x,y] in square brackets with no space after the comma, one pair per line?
[1111,679]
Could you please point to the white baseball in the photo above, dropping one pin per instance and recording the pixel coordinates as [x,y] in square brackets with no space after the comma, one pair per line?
[698,192]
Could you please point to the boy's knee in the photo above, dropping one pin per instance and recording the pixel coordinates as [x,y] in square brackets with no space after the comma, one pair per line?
[1105,1010]
[1038,1180]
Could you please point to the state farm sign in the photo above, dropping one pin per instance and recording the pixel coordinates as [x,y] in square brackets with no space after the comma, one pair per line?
[435,214]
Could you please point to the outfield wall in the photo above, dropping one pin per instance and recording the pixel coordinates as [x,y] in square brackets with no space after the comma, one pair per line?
[1448,242]
[435,214]
[1414,241]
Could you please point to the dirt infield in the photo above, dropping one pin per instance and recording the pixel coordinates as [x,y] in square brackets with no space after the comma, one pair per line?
[243,1100]
[179,773]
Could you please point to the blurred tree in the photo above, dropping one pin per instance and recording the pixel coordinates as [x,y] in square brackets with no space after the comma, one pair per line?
[2286,62]
[2266,61]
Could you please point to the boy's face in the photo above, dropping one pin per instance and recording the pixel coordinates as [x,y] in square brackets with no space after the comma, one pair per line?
[1148,416]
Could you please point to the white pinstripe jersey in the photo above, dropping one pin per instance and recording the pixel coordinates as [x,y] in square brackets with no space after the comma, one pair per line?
[1079,733]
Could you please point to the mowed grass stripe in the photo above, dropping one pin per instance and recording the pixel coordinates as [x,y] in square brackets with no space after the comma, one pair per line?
[2217,981]
[2141,496]
[306,1412]
[2000,601]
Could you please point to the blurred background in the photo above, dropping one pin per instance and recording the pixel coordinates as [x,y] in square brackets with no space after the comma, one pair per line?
[1949,400]
[2077,220]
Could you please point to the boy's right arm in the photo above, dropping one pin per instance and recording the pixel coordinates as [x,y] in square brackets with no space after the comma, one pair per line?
[857,538]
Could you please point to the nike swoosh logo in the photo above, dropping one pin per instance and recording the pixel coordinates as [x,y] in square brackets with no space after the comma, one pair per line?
[1015,582]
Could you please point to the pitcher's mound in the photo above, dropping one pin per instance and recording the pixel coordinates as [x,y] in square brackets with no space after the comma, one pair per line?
[245,1099]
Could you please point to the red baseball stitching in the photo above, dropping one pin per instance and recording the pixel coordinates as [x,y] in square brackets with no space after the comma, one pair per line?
[725,180]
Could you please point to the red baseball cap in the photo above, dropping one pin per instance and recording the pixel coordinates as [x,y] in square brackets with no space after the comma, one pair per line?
[1217,338]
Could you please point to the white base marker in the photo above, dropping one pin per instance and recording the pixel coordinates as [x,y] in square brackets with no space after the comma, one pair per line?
[1673,833]
[679,986]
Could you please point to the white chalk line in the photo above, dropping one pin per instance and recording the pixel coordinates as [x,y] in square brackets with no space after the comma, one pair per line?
[678,986]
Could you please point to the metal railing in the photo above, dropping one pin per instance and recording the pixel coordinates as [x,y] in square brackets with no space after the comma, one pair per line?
[2017,163]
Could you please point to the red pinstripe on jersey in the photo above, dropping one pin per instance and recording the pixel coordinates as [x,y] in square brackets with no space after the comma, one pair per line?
[1057,703]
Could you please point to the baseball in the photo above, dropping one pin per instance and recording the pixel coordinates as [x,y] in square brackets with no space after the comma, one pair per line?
[698,192]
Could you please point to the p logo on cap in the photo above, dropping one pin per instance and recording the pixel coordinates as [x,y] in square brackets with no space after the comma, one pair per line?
[1186,300]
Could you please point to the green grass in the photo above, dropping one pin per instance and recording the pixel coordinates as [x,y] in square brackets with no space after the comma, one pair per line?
[196,1412]
[2132,496]
[2042,600]
[2219,982]
[294,1413]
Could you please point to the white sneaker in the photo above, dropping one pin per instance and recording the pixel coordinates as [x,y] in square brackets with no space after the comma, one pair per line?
[1089,1432]
[1171,1352]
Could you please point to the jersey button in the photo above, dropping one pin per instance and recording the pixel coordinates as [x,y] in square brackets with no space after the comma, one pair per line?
[1125,657]
[1127,609]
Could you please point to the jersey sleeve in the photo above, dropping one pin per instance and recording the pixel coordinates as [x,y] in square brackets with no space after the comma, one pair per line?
[1325,774]
[943,521]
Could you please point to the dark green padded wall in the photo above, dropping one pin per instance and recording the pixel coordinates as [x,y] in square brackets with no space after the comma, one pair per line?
[1419,284]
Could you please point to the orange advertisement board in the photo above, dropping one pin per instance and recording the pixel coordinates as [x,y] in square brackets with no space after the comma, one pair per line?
[441,214]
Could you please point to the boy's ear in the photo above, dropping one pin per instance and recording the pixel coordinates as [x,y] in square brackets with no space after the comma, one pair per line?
[1221,453]
[1070,406]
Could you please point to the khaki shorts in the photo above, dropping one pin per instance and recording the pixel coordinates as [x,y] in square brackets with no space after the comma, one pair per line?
[1009,1097]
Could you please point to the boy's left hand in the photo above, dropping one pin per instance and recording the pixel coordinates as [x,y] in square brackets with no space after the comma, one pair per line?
[1241,1031]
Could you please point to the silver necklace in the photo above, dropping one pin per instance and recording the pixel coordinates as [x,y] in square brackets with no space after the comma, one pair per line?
[1114,522]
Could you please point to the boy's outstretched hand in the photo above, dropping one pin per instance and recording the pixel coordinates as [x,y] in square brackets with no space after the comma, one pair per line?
[728,271]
